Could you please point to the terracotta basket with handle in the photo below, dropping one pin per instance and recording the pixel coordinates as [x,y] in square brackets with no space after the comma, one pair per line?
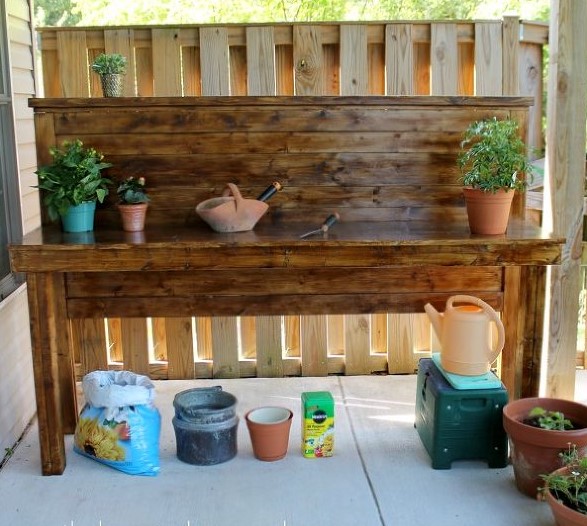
[231,212]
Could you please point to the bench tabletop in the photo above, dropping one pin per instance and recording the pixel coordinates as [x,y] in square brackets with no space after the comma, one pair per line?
[376,244]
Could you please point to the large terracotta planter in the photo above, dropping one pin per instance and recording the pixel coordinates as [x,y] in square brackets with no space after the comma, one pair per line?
[269,431]
[488,212]
[563,515]
[534,451]
[133,216]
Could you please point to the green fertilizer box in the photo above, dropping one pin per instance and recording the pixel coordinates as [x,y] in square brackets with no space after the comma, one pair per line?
[317,424]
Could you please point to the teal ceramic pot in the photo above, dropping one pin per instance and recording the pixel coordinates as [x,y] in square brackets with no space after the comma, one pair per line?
[79,218]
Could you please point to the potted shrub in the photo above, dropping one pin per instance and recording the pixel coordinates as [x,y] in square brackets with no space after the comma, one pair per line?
[72,184]
[565,489]
[111,67]
[133,203]
[539,429]
[494,164]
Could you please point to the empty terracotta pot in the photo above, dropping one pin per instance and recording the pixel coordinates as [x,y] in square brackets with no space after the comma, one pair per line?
[269,430]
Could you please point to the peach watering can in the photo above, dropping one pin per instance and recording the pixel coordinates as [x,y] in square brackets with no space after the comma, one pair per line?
[464,332]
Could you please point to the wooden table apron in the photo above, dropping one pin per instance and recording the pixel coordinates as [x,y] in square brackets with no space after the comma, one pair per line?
[358,268]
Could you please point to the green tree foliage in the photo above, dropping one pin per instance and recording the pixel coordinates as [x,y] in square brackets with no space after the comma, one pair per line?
[137,12]
[56,13]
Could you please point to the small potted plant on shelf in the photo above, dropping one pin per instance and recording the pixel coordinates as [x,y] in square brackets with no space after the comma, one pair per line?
[111,67]
[565,489]
[539,429]
[494,164]
[72,184]
[133,203]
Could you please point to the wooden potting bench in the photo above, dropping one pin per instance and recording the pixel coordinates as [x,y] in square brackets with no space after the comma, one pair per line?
[386,164]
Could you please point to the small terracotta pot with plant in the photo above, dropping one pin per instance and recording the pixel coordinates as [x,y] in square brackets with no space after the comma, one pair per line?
[133,203]
[494,164]
[565,489]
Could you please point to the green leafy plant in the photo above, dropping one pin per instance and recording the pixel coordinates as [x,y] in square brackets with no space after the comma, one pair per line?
[493,156]
[569,486]
[109,64]
[554,420]
[132,191]
[74,177]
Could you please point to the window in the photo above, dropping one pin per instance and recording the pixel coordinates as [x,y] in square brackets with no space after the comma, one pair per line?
[10,221]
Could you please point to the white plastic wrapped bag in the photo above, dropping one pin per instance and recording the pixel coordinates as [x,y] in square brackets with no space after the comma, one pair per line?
[119,426]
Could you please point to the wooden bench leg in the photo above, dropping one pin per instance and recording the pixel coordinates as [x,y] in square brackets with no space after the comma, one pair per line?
[523,319]
[53,368]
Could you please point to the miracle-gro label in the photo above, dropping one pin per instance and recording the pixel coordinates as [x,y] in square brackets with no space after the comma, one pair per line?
[317,424]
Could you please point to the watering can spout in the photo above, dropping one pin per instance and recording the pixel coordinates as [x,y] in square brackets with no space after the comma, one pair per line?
[435,319]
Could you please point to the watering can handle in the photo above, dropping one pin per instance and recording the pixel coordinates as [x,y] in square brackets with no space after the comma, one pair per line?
[498,347]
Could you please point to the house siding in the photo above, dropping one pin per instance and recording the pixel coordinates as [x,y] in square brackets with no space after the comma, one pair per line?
[17,395]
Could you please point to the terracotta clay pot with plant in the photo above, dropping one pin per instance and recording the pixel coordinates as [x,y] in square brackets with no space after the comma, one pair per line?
[539,430]
[494,164]
[565,489]
[133,203]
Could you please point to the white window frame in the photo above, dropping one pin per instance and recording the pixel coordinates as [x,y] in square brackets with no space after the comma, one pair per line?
[10,216]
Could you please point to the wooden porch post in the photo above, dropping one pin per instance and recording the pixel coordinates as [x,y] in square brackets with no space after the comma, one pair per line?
[564,185]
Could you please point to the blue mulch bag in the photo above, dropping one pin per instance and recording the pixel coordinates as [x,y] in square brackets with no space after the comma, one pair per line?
[119,426]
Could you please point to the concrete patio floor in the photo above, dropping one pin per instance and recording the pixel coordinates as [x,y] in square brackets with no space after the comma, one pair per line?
[380,474]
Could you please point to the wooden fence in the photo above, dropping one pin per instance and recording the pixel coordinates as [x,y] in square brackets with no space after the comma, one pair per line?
[395,58]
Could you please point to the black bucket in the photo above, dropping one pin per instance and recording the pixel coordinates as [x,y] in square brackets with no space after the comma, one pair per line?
[205,425]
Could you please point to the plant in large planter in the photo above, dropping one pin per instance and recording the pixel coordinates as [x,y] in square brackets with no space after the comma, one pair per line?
[111,67]
[72,184]
[566,489]
[494,164]
[133,203]
[538,436]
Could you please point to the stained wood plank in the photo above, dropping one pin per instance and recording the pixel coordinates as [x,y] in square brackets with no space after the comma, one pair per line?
[357,345]
[55,401]
[135,345]
[406,337]
[443,61]
[180,348]
[307,56]
[314,345]
[192,75]
[225,347]
[511,56]
[203,327]
[89,336]
[214,61]
[261,62]
[354,63]
[269,347]
[166,62]
[73,64]
[488,58]
[399,59]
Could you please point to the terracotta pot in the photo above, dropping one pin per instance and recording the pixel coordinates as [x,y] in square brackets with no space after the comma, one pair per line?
[534,451]
[269,431]
[488,212]
[133,216]
[563,515]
